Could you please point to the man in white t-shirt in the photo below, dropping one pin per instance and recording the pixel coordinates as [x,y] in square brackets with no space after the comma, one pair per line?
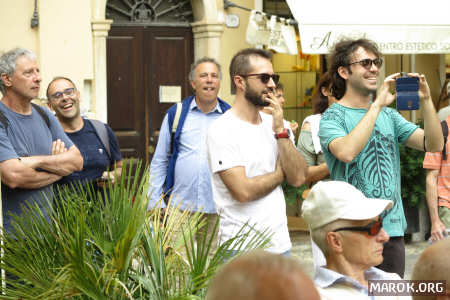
[250,154]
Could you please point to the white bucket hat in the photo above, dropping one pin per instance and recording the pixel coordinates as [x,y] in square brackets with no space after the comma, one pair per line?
[329,201]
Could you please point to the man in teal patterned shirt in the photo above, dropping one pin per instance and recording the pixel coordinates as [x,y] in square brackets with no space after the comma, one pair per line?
[360,134]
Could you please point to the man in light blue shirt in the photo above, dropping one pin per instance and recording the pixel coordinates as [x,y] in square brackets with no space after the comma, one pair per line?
[180,167]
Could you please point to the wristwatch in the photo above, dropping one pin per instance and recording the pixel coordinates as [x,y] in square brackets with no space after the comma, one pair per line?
[283,135]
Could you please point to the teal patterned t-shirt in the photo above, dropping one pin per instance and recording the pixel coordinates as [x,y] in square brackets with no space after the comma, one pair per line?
[376,169]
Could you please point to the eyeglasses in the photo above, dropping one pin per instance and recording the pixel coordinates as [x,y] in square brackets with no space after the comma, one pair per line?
[59,95]
[264,77]
[367,63]
[372,228]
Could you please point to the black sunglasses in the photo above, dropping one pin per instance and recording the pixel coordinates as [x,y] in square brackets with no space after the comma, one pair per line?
[264,77]
[367,63]
[372,229]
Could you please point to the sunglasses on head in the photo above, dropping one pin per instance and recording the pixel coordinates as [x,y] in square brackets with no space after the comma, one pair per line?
[264,77]
[367,63]
[372,229]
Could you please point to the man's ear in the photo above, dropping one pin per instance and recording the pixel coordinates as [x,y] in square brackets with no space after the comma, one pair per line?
[78,95]
[239,82]
[192,85]
[343,72]
[6,80]
[334,241]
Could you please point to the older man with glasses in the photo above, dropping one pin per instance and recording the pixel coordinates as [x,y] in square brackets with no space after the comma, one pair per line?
[348,229]
[359,134]
[34,150]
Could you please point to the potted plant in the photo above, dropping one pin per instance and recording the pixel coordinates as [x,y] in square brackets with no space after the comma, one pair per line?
[112,248]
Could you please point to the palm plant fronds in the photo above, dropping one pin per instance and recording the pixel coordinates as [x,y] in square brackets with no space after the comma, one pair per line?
[104,244]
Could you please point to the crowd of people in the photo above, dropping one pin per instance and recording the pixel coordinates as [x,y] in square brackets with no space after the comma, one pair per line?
[228,162]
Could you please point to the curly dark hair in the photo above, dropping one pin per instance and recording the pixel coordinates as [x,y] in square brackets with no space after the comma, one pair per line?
[341,56]
[320,101]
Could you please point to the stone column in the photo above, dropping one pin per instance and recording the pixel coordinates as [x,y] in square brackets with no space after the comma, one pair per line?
[98,105]
[207,39]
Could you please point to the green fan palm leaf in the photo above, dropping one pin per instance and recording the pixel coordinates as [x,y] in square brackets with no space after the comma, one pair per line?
[91,244]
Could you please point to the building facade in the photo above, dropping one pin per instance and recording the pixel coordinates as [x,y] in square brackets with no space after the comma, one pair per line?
[130,58]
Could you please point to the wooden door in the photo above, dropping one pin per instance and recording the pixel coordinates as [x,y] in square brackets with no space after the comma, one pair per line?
[140,60]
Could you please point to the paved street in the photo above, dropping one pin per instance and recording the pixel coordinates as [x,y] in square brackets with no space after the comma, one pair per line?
[302,250]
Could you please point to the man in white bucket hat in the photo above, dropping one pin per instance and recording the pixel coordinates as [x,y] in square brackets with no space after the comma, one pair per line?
[348,229]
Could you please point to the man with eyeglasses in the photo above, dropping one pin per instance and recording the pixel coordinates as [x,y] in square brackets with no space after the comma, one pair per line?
[96,140]
[250,154]
[348,228]
[359,135]
[34,150]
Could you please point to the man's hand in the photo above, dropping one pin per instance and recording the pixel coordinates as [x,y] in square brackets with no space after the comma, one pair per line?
[277,112]
[294,126]
[106,178]
[58,147]
[424,89]
[21,173]
[109,176]
[385,97]
[437,229]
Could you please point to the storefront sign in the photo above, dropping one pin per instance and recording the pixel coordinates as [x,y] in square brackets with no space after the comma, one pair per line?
[399,27]
[318,39]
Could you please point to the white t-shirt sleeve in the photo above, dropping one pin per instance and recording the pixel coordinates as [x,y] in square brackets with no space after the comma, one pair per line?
[223,152]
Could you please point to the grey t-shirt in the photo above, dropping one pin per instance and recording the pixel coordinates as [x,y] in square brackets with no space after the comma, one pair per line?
[27,135]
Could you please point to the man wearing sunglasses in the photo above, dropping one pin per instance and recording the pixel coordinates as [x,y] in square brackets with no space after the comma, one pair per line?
[359,135]
[34,150]
[348,229]
[250,154]
[96,140]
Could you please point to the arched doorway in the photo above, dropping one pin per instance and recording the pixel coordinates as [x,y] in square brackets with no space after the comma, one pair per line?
[149,47]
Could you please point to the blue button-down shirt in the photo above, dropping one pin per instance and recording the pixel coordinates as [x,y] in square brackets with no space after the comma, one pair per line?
[192,176]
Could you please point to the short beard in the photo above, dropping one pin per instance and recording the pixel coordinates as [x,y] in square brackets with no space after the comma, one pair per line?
[255,98]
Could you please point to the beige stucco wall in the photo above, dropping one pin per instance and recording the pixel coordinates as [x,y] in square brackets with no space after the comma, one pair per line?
[15,23]
[233,39]
[62,41]
[15,19]
[66,43]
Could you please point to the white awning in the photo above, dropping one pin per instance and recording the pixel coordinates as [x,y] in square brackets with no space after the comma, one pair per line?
[397,26]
